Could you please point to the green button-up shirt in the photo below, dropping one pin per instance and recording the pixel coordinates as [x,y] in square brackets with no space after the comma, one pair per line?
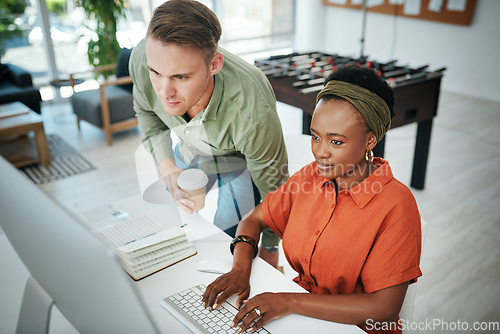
[240,125]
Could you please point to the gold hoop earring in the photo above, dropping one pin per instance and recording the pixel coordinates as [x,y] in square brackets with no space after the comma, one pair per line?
[369,156]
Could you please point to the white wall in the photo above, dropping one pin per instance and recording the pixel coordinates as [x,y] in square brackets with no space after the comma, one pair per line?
[309,20]
[471,54]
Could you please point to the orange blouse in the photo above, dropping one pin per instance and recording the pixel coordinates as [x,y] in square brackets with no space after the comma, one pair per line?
[362,240]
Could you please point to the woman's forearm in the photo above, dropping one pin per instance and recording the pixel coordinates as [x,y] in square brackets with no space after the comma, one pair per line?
[356,309]
[379,306]
[237,281]
[252,225]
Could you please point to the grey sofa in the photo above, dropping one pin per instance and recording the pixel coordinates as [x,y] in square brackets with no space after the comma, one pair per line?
[16,84]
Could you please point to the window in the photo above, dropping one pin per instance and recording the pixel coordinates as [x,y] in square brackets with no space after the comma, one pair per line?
[30,51]
[250,28]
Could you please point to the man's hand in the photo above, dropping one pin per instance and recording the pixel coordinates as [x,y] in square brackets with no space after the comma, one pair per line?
[169,172]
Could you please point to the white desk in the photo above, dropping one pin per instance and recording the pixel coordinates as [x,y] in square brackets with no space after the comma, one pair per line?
[264,278]
[168,281]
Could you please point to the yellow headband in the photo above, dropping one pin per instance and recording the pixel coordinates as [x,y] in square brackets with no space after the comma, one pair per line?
[371,106]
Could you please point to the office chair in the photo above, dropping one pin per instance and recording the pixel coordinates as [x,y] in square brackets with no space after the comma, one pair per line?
[299,152]
[406,312]
[110,107]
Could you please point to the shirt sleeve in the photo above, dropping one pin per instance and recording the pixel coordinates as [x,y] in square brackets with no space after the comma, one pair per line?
[264,149]
[395,254]
[277,205]
[156,133]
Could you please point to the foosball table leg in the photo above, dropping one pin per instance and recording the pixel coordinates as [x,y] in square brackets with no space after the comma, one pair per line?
[421,154]
[379,149]
[306,123]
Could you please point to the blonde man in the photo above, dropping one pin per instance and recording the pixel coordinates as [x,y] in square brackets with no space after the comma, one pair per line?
[222,109]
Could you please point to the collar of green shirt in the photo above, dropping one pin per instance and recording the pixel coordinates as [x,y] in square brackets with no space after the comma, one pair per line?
[210,112]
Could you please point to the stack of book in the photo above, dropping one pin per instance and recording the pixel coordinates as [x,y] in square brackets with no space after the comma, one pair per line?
[148,255]
[143,245]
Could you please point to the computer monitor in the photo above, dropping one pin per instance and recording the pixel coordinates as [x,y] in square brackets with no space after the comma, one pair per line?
[69,267]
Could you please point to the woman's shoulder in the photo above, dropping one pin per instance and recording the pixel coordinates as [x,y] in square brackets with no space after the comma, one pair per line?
[400,190]
[391,192]
[384,174]
[306,172]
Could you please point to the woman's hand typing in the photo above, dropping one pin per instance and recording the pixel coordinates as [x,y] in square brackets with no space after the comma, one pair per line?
[268,306]
[237,281]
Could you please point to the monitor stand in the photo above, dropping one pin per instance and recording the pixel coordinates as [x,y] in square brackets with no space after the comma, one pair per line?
[35,309]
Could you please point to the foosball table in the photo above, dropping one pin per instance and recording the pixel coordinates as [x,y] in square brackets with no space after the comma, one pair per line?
[298,78]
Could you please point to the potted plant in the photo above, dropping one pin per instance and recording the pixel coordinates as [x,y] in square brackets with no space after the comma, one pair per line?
[9,10]
[103,47]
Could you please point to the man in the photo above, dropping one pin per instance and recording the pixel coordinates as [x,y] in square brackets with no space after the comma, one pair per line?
[221,108]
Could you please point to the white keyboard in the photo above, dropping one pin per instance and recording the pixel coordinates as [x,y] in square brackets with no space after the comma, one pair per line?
[188,308]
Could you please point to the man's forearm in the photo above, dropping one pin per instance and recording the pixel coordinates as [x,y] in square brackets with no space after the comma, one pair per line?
[167,167]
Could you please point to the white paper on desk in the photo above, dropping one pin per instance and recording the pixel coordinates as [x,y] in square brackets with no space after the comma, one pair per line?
[396,2]
[197,227]
[171,233]
[129,231]
[104,216]
[165,214]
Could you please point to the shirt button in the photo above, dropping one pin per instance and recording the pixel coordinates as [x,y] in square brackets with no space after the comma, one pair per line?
[317,233]
[306,261]
[187,131]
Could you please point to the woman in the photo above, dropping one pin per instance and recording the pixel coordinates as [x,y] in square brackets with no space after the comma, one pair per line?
[349,228]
